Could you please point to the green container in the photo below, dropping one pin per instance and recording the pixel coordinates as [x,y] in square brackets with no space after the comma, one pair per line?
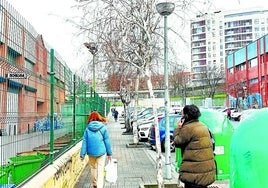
[222,129]
[4,172]
[249,164]
[23,167]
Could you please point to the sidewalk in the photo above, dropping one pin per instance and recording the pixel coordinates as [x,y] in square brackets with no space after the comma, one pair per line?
[136,165]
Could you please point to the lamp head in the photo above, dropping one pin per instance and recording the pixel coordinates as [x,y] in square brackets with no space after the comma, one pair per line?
[92,47]
[165,8]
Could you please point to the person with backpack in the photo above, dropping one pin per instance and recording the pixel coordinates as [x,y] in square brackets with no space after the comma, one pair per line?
[96,145]
[197,169]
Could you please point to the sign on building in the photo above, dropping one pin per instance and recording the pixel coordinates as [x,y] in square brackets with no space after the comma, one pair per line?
[18,75]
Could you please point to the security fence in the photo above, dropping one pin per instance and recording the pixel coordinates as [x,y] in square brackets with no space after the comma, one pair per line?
[43,105]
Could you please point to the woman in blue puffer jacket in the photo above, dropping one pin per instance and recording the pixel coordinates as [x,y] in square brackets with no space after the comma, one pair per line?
[96,144]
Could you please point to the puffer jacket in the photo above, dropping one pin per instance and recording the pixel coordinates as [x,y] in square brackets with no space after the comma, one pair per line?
[198,165]
[96,140]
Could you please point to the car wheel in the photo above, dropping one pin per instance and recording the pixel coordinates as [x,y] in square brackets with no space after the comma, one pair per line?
[172,145]
[163,145]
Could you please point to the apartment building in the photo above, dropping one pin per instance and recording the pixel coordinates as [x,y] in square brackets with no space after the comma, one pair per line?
[217,34]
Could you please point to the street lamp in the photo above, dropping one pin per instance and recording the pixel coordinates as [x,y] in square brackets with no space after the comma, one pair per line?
[92,48]
[165,9]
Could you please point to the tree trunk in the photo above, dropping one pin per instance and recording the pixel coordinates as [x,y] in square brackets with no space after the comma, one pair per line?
[157,136]
[134,124]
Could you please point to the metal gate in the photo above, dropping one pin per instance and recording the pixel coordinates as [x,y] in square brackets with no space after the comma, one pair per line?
[12,111]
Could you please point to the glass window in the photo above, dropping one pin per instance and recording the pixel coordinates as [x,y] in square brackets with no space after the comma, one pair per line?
[253,62]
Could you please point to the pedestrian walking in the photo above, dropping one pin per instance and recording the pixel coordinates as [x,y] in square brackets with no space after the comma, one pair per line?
[229,113]
[197,169]
[96,145]
[115,115]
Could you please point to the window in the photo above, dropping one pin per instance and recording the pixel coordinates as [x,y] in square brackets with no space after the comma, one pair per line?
[253,81]
[253,62]
[29,65]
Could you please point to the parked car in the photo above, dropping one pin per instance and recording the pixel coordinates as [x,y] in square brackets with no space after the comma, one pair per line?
[173,121]
[235,115]
[143,127]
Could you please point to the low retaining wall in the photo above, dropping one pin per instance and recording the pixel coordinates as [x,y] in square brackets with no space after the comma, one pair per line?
[64,172]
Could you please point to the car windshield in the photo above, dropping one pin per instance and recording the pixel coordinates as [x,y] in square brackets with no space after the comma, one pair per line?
[173,121]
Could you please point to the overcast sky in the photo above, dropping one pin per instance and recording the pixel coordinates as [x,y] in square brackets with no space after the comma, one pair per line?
[47,17]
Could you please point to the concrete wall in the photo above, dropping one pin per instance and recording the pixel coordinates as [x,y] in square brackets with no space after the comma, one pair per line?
[64,172]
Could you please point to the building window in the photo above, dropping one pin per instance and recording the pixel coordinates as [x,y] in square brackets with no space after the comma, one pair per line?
[253,81]
[253,62]
[241,67]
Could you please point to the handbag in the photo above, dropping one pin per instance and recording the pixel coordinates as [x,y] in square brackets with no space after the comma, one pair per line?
[111,171]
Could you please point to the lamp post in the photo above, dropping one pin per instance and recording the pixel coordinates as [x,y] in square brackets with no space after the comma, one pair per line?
[92,48]
[165,9]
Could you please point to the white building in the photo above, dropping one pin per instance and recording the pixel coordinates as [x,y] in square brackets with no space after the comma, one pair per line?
[216,34]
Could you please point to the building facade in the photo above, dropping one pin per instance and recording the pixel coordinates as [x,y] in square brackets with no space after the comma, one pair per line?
[215,35]
[24,74]
[247,75]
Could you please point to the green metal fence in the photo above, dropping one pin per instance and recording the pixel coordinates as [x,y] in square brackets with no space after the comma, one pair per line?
[43,104]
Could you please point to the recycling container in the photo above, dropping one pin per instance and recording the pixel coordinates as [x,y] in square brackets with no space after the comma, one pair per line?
[23,167]
[249,164]
[4,172]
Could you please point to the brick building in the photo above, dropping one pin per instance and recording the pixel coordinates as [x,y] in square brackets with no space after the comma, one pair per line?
[23,51]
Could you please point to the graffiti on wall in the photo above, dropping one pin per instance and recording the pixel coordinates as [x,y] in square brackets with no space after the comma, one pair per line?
[250,101]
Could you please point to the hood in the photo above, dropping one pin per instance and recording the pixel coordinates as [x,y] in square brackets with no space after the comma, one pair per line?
[95,126]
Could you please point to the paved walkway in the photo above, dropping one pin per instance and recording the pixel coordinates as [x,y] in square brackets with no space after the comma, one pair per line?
[136,165]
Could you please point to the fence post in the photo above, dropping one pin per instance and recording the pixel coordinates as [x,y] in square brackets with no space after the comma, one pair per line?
[52,73]
[74,105]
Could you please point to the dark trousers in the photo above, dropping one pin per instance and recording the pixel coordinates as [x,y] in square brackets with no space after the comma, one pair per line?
[190,185]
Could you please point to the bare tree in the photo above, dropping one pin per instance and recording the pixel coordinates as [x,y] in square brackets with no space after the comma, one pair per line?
[212,77]
[180,80]
[128,33]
